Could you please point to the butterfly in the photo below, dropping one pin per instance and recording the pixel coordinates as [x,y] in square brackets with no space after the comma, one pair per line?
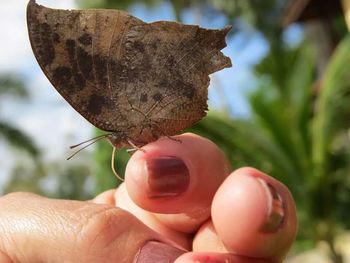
[138,81]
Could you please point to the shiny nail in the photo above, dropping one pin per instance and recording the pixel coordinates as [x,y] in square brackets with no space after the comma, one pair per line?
[211,261]
[275,208]
[154,251]
[207,258]
[168,176]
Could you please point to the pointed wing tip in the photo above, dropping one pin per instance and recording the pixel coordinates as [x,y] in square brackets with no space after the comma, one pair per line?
[222,34]
[226,29]
[32,3]
[229,63]
[33,6]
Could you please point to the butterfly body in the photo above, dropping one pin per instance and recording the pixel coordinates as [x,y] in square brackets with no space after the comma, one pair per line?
[138,135]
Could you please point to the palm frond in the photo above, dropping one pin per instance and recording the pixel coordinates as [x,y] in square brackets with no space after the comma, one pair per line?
[333,107]
[18,139]
[12,85]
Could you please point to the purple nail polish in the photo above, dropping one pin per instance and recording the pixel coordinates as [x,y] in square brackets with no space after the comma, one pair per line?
[154,251]
[209,258]
[211,261]
[168,176]
[276,208]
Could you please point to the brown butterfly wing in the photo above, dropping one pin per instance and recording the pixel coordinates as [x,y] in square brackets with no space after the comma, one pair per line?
[176,62]
[118,71]
[167,67]
[78,51]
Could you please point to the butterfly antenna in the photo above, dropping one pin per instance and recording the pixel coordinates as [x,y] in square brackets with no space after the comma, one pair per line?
[113,165]
[92,141]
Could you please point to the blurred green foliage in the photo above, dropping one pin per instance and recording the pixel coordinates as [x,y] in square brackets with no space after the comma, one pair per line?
[12,87]
[55,179]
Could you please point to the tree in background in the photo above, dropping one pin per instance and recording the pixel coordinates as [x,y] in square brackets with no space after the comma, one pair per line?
[11,87]
[53,179]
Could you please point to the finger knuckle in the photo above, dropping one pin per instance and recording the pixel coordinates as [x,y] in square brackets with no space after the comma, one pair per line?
[102,229]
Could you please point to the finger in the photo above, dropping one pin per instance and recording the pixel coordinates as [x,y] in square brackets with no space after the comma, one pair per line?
[177,178]
[106,197]
[37,229]
[217,258]
[151,220]
[4,258]
[207,239]
[254,215]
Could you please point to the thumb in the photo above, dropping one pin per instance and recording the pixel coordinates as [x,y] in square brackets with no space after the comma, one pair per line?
[38,229]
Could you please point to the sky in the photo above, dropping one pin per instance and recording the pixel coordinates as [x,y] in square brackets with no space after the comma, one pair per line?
[51,121]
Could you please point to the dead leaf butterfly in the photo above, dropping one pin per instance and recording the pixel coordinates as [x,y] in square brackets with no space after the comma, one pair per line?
[138,81]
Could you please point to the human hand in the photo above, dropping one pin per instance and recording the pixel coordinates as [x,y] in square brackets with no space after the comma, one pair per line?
[176,197]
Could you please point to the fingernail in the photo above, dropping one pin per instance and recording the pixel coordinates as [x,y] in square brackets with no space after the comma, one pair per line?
[275,213]
[209,258]
[168,176]
[154,251]
[210,261]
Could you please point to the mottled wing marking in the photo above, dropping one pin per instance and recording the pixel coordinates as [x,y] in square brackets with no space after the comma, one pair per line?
[120,81]
[67,58]
[177,90]
[195,80]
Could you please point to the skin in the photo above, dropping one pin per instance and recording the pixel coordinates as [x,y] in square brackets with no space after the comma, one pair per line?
[220,217]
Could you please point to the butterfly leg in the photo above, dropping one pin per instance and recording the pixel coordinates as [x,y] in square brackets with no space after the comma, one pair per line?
[131,150]
[134,147]
[174,139]
[113,165]
[160,133]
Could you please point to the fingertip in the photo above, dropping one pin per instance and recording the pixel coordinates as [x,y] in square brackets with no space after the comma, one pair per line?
[106,197]
[254,214]
[173,177]
[207,239]
[210,257]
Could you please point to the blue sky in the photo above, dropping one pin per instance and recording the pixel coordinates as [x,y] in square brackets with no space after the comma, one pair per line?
[54,125]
